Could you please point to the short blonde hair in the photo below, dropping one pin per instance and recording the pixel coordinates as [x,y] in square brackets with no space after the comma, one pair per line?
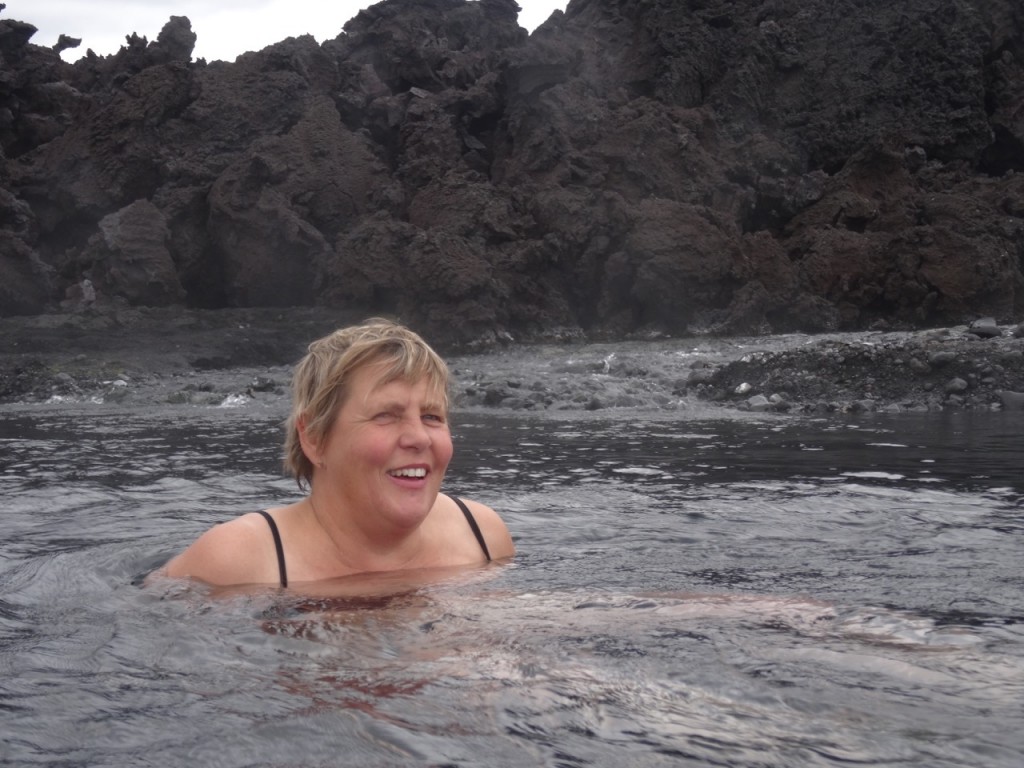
[321,380]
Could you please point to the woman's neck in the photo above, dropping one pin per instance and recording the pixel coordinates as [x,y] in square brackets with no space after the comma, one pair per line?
[356,548]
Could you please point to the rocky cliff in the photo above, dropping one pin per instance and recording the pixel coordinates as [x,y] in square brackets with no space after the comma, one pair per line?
[633,166]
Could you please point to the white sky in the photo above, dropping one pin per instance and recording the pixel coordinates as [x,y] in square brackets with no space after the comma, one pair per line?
[224,29]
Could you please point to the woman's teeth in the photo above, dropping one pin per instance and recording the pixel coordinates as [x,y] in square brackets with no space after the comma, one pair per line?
[420,472]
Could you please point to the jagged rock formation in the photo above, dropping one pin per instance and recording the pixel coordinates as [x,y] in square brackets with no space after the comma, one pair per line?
[633,166]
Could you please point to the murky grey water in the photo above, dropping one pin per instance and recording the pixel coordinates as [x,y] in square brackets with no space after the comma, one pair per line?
[770,592]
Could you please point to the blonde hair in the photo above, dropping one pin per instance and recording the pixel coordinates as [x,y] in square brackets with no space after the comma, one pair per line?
[321,380]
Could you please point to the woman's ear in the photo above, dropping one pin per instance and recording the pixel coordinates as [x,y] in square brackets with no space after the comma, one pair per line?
[310,446]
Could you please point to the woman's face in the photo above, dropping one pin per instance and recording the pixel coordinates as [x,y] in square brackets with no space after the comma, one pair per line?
[387,451]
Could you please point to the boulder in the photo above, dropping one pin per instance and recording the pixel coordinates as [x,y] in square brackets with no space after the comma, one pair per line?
[129,258]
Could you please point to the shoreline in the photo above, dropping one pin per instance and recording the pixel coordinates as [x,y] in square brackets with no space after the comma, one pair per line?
[207,357]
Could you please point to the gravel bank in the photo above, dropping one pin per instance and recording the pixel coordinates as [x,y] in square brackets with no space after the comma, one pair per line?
[174,357]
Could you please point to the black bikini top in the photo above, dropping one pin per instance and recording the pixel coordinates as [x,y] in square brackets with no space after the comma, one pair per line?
[283,571]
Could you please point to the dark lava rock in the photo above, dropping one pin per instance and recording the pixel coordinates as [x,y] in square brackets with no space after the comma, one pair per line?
[1012,401]
[637,167]
[985,328]
[879,370]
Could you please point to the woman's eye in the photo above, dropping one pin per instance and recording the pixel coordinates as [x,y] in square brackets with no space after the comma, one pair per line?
[433,417]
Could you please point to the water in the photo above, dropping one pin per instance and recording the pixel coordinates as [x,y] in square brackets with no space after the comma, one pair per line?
[760,592]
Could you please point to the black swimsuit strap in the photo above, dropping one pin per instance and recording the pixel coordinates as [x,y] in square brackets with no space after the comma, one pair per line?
[472,524]
[277,545]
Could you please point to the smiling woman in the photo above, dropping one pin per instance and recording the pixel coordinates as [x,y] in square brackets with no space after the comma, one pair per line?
[368,436]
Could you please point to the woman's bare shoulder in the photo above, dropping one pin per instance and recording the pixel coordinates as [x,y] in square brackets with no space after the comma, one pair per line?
[240,551]
[494,530]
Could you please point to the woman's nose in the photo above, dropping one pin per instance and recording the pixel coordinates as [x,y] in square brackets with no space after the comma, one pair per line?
[414,433]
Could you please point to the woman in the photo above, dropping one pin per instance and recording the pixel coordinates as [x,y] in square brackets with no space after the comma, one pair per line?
[368,436]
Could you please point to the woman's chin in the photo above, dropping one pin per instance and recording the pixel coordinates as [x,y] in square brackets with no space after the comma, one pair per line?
[409,514]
